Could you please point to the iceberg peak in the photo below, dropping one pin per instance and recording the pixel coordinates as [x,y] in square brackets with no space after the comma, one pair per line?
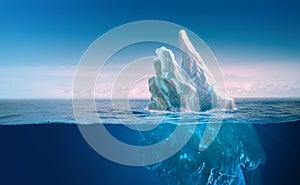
[189,87]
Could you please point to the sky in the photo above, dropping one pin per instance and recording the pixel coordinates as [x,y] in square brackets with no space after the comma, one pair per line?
[257,43]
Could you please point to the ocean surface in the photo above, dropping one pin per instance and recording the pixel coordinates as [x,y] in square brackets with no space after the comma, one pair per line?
[41,143]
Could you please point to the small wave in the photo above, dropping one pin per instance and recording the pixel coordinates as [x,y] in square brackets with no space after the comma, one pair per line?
[295,121]
[55,122]
[9,116]
[40,123]
[138,112]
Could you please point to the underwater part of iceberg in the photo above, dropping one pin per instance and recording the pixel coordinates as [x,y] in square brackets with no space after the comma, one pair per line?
[233,158]
[186,88]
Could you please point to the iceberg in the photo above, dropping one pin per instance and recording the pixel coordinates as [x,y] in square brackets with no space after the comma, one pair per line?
[185,88]
[235,154]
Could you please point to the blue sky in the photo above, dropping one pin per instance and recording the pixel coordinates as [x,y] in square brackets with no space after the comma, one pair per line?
[257,43]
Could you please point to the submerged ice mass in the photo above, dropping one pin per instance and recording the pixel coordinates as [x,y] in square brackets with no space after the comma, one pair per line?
[233,158]
[190,87]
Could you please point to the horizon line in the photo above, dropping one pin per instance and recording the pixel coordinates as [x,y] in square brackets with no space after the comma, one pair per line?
[55,98]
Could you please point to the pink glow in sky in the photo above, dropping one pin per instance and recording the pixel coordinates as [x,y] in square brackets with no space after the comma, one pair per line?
[247,80]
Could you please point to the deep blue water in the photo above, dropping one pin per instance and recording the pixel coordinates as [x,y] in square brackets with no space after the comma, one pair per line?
[41,144]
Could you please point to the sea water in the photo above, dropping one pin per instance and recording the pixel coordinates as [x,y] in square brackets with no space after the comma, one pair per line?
[41,143]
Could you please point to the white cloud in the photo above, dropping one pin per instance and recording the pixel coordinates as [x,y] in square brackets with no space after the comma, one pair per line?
[36,81]
[262,80]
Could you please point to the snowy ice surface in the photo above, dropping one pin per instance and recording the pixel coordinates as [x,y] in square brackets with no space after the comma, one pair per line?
[189,87]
